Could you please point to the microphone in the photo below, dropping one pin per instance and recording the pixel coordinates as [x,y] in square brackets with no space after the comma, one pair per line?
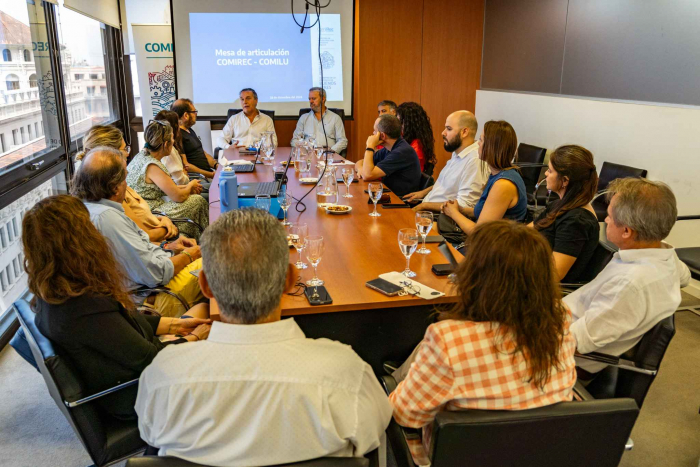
[537,187]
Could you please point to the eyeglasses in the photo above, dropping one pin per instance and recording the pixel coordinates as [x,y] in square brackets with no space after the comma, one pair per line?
[192,111]
[409,288]
[127,148]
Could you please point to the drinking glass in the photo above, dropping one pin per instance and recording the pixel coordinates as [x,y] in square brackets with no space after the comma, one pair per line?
[303,164]
[295,159]
[424,222]
[263,202]
[314,251]
[297,235]
[375,190]
[408,242]
[348,176]
[285,199]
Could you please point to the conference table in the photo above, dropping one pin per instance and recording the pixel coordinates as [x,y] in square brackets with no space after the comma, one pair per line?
[358,248]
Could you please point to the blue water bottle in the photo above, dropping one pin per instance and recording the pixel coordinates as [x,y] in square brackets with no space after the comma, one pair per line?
[228,190]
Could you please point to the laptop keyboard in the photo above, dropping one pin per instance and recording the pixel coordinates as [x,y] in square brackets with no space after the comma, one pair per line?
[267,188]
[244,168]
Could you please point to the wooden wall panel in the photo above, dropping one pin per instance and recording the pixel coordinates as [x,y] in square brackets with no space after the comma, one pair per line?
[451,67]
[285,130]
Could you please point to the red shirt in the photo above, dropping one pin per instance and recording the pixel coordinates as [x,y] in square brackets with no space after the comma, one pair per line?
[415,144]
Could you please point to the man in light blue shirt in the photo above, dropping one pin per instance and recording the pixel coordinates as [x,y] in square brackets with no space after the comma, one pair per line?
[309,125]
[101,184]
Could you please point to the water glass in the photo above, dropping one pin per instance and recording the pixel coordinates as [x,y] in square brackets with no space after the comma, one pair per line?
[348,174]
[263,202]
[314,251]
[297,235]
[408,242]
[295,159]
[375,190]
[285,199]
[424,222]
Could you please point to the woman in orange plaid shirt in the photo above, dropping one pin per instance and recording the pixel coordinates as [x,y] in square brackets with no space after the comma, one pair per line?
[504,346]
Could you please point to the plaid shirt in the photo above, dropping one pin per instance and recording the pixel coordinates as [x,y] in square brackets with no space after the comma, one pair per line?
[457,367]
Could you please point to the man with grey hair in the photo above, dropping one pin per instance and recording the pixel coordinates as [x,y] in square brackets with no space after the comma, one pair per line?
[259,392]
[464,175]
[641,284]
[247,126]
[101,184]
[323,126]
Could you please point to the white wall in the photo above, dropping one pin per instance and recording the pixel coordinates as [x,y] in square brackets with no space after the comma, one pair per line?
[664,140]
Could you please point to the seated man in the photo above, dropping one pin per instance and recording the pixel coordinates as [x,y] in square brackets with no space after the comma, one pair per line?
[641,285]
[397,162]
[386,107]
[194,158]
[464,175]
[259,392]
[101,184]
[247,126]
[309,125]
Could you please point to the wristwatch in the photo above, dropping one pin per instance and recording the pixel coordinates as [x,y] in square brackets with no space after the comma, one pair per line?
[369,149]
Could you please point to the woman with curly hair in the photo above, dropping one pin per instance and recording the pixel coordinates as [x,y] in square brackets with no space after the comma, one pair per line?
[418,132]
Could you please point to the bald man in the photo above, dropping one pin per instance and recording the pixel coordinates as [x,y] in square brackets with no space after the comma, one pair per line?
[464,176]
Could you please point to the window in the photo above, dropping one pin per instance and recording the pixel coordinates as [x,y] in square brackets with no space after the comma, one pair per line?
[27,56]
[33,83]
[15,137]
[36,129]
[78,76]
[29,131]
[94,76]
[21,132]
[12,82]
[6,55]
[2,143]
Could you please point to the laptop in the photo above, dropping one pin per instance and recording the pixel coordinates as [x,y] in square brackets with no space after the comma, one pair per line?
[250,190]
[244,168]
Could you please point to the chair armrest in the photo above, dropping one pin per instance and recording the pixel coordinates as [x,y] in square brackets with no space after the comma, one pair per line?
[617,362]
[87,399]
[217,150]
[196,175]
[581,393]
[530,164]
[182,220]
[389,384]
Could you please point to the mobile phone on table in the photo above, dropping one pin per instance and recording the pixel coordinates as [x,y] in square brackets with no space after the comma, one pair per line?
[442,269]
[317,295]
[395,206]
[384,286]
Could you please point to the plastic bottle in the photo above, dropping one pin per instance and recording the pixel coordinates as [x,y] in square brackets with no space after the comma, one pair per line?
[228,190]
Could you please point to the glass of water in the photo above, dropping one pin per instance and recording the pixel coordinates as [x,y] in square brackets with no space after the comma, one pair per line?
[297,235]
[408,242]
[424,222]
[314,251]
[375,190]
[348,176]
[285,199]
[263,202]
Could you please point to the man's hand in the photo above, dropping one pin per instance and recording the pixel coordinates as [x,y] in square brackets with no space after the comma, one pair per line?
[183,327]
[374,140]
[187,168]
[418,207]
[184,242]
[415,195]
[170,228]
[202,331]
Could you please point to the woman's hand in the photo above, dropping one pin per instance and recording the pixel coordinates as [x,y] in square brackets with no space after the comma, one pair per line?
[450,208]
[183,327]
[195,187]
[171,230]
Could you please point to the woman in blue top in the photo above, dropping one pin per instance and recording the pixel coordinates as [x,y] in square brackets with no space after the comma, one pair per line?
[504,193]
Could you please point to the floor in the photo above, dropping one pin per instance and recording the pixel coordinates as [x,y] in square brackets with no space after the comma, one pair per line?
[34,433]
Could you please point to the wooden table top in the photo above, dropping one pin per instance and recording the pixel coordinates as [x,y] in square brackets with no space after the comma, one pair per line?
[358,247]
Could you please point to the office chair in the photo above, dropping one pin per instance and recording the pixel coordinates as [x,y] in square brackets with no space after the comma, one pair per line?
[691,258]
[602,255]
[530,160]
[106,439]
[425,181]
[538,437]
[609,172]
[339,112]
[166,461]
[232,112]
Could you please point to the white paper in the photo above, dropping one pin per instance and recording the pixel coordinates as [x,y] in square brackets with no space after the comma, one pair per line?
[399,279]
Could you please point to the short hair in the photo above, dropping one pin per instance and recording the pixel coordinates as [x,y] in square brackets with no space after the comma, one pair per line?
[99,175]
[390,125]
[647,207]
[100,135]
[500,144]
[255,94]
[391,104]
[321,92]
[181,106]
[468,120]
[245,258]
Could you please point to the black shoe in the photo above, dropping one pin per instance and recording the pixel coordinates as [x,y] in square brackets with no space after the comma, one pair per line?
[390,367]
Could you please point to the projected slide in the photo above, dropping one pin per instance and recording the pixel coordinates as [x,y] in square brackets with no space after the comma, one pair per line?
[264,51]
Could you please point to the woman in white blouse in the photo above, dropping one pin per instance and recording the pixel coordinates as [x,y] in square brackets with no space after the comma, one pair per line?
[173,162]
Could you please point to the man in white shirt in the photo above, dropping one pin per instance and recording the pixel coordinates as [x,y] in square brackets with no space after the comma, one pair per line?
[247,126]
[464,175]
[257,392]
[641,284]
[309,124]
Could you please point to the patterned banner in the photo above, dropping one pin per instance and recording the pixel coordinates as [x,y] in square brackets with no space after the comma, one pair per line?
[154,64]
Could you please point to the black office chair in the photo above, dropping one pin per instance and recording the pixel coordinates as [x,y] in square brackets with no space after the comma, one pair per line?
[106,439]
[425,181]
[232,112]
[601,257]
[609,172]
[530,160]
[567,433]
[691,257]
[339,112]
[631,374]
[156,461]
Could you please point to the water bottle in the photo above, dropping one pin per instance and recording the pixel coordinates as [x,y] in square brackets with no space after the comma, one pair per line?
[228,190]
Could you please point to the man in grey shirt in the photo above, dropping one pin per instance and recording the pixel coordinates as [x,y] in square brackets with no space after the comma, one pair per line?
[101,184]
[309,125]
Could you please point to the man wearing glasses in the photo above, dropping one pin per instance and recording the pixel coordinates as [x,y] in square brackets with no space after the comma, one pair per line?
[194,158]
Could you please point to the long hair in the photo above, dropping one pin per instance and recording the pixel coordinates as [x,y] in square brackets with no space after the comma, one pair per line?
[100,135]
[507,277]
[500,144]
[416,125]
[172,118]
[576,163]
[66,256]
[157,134]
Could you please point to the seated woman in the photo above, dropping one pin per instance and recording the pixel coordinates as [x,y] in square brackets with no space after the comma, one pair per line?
[570,224]
[149,177]
[158,228]
[505,345]
[173,161]
[504,194]
[418,132]
[82,304]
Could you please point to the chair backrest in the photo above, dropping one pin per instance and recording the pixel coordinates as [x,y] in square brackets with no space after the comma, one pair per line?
[426,181]
[339,112]
[531,155]
[203,130]
[600,258]
[166,461]
[568,433]
[609,172]
[691,257]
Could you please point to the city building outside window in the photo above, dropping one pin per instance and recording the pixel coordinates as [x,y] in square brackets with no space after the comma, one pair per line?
[27,57]
[6,55]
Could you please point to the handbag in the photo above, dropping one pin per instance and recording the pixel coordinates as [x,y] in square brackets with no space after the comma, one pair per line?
[449,229]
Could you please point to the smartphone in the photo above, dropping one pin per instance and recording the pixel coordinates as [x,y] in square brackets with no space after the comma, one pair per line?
[395,206]
[434,239]
[317,295]
[340,180]
[442,269]
[384,286]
